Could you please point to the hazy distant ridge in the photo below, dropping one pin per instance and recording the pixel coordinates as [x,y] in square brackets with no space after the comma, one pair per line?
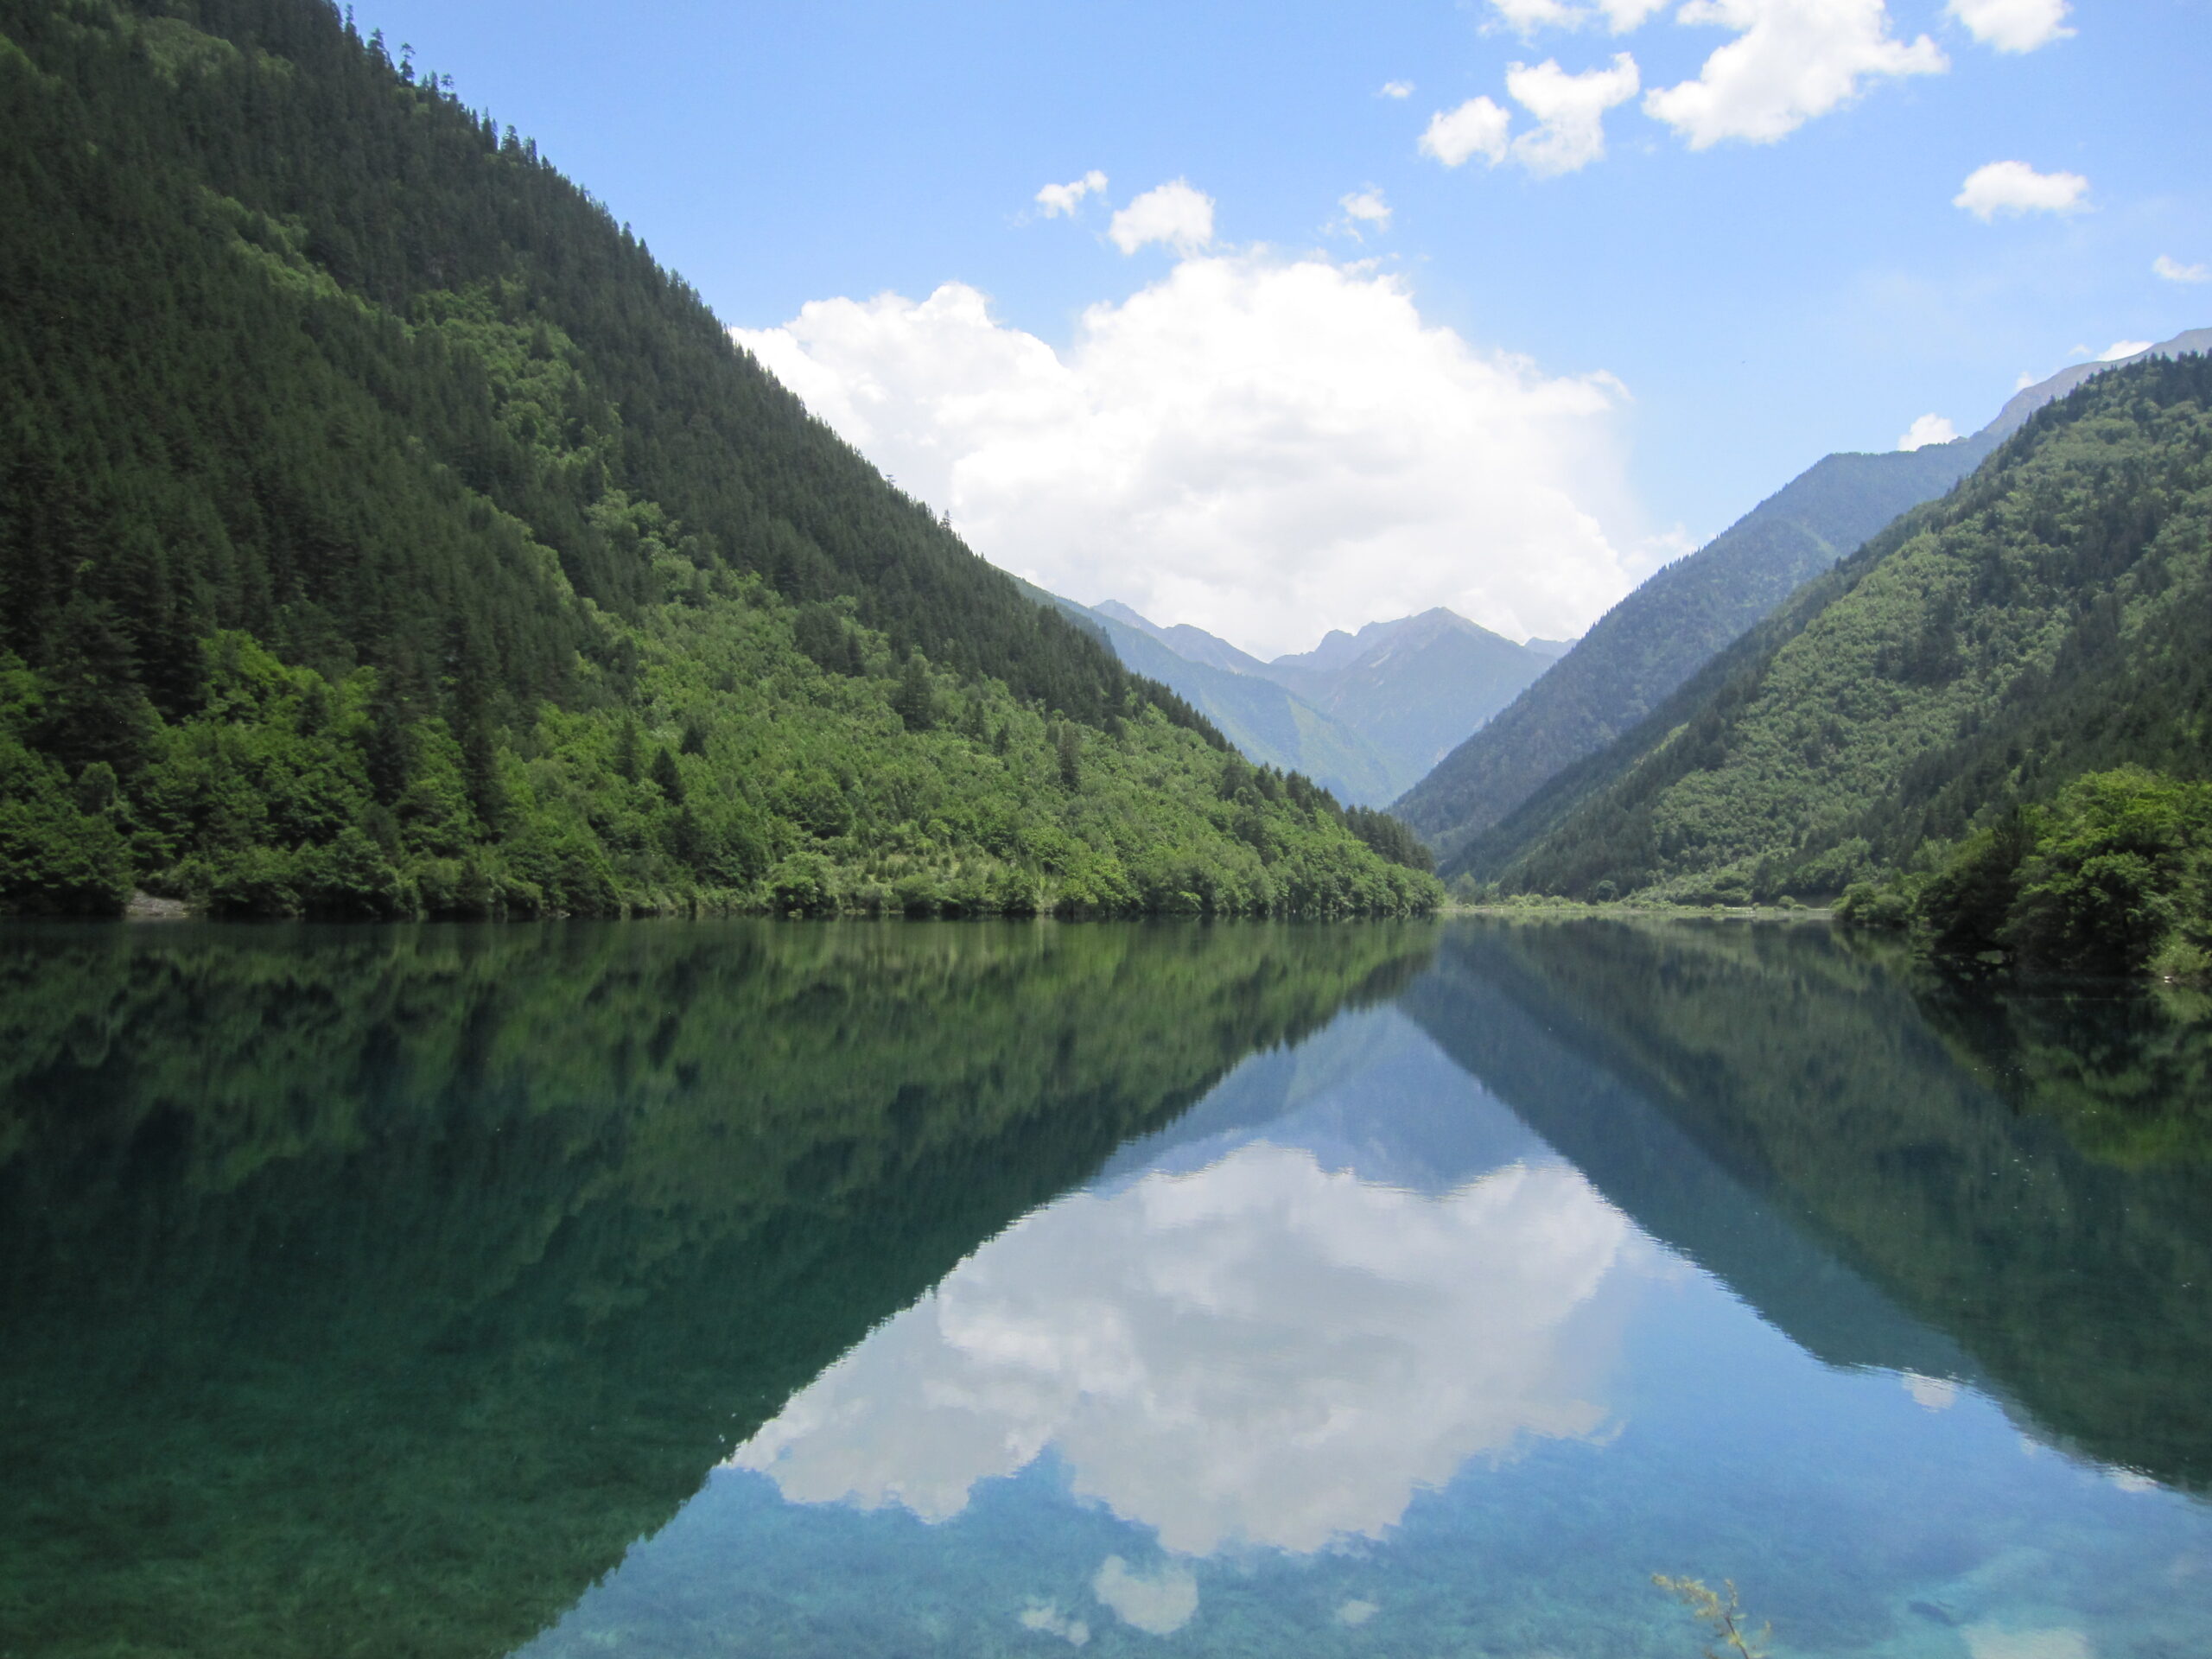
[1365,714]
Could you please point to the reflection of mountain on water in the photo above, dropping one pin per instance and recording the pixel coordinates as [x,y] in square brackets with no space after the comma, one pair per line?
[1788,1115]
[369,1291]
[1375,1098]
[1345,1275]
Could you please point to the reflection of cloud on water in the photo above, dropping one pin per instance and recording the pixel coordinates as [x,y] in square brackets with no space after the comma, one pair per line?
[1045,1618]
[1262,1352]
[1159,1604]
[1993,1642]
[1929,1393]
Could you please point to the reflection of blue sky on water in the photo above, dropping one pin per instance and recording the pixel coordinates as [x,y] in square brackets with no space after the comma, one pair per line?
[1349,1361]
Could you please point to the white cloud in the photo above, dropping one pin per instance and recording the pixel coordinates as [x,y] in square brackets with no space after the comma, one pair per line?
[1792,60]
[2013,25]
[1570,110]
[2016,187]
[1530,16]
[1527,16]
[1356,1613]
[1366,207]
[1929,428]
[1262,1354]
[1058,199]
[1478,127]
[2173,270]
[1266,448]
[2123,348]
[1173,213]
[1397,89]
[1159,1604]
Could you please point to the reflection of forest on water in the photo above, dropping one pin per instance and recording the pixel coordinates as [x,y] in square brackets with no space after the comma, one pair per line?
[2008,1187]
[372,1290]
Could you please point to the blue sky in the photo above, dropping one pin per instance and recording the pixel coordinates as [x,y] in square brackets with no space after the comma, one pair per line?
[1542,376]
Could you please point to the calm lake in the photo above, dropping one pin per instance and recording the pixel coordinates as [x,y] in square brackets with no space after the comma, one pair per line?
[867,1291]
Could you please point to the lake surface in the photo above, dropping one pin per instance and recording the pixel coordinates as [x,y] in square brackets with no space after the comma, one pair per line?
[671,1289]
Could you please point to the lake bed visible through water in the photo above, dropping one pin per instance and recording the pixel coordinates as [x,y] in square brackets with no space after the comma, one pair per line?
[743,1288]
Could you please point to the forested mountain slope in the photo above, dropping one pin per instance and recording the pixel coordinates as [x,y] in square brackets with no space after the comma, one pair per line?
[381,530]
[1661,634]
[2046,621]
[1674,624]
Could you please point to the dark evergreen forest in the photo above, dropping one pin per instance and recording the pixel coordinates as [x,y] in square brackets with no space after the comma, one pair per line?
[383,531]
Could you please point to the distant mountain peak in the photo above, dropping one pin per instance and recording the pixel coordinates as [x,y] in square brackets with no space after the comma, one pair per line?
[1339,650]
[1127,616]
[1406,690]
[2026,401]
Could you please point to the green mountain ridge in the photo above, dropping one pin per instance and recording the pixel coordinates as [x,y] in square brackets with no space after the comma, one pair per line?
[383,531]
[1639,651]
[2045,620]
[1681,618]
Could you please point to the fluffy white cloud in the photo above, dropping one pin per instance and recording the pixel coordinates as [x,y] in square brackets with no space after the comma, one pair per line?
[1570,110]
[1527,16]
[1058,199]
[1791,61]
[1263,1353]
[1366,207]
[1929,428]
[2016,187]
[2121,349]
[2165,265]
[1530,16]
[1266,448]
[2013,25]
[1478,127]
[1176,214]
[1397,89]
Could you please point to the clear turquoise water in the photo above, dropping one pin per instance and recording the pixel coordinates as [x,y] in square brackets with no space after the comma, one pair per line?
[940,1290]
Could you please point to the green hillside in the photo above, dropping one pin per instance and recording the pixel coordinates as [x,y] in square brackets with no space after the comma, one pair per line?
[383,531]
[2044,622]
[1646,646]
